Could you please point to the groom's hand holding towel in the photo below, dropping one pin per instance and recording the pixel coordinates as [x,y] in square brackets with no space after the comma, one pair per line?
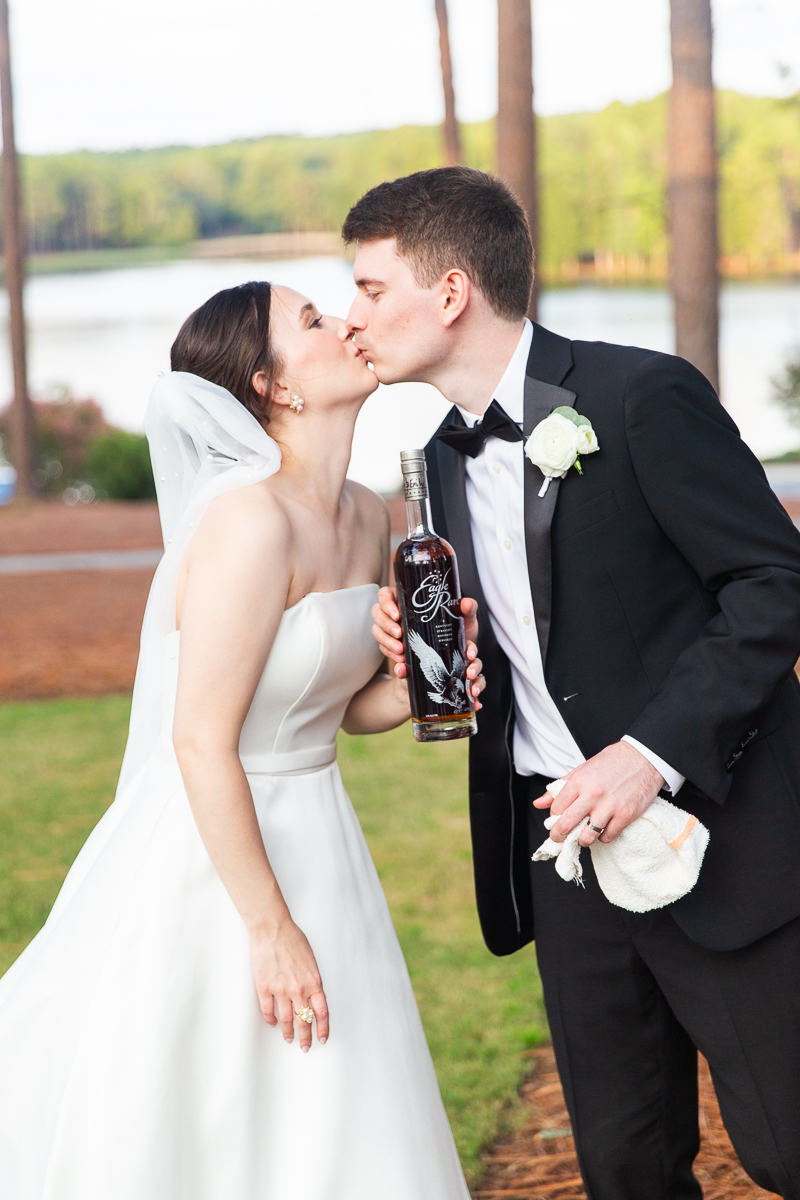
[653,862]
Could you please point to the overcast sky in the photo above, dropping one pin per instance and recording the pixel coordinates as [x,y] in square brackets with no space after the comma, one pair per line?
[109,74]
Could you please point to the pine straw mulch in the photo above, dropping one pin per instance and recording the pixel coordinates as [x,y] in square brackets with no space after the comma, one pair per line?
[72,633]
[538,1162]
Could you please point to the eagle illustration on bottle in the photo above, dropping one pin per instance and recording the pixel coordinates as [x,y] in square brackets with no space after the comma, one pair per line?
[449,684]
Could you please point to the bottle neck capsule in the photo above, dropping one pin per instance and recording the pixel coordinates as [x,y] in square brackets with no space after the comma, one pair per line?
[415,490]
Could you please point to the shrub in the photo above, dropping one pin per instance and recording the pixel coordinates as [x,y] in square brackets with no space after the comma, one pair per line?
[81,456]
[65,429]
[118,464]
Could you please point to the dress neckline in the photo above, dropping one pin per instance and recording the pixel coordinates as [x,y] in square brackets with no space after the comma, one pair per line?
[334,592]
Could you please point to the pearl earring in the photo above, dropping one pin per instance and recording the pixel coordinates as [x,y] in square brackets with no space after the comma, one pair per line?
[296,403]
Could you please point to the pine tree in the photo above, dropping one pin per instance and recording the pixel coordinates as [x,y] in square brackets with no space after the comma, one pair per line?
[516,123]
[694,251]
[23,423]
[452,137]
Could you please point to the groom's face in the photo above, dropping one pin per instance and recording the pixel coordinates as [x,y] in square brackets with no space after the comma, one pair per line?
[397,325]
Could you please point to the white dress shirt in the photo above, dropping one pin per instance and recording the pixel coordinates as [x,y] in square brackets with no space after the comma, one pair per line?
[543,744]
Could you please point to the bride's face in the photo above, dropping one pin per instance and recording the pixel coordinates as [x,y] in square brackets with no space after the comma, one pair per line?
[320,361]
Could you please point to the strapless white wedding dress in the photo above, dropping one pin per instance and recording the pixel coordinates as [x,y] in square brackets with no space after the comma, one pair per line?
[134,1061]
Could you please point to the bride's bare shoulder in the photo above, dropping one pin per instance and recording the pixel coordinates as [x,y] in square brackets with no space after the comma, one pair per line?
[252,517]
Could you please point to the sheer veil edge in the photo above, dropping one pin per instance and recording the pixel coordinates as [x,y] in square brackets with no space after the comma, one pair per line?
[203,443]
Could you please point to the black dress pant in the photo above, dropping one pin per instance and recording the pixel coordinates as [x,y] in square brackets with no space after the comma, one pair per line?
[630,999]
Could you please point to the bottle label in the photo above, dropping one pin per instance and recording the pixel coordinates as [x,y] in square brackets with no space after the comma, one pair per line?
[436,654]
[414,487]
[433,596]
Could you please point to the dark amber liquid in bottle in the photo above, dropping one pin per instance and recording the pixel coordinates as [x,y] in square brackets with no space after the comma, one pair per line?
[429,595]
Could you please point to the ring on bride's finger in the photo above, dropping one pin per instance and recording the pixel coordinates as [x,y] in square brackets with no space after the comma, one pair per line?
[305,1014]
[596,829]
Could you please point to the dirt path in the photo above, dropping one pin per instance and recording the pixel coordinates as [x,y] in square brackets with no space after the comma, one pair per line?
[74,633]
[539,1163]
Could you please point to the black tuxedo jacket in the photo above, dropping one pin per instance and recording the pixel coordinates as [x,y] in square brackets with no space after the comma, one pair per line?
[666,590]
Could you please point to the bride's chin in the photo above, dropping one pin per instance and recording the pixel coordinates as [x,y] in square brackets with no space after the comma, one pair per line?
[368,385]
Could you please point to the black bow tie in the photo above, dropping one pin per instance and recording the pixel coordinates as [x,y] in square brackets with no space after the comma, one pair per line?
[496,423]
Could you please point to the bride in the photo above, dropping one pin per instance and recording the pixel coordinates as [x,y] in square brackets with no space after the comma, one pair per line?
[156,1036]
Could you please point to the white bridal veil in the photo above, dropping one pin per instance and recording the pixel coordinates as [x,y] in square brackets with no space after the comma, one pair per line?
[203,443]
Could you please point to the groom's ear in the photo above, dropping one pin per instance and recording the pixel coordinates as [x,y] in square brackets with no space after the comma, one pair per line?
[455,295]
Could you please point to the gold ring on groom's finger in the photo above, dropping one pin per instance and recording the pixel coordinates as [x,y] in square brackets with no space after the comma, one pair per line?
[305,1014]
[596,829]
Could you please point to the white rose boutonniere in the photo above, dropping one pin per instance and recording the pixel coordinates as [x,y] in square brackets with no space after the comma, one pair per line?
[557,443]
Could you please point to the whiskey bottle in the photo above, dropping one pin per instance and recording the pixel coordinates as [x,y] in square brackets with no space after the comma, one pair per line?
[426,575]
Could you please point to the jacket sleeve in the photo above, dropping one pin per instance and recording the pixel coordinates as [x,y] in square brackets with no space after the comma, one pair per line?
[711,497]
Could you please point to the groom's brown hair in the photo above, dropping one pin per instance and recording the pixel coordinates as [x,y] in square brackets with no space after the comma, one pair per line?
[453,217]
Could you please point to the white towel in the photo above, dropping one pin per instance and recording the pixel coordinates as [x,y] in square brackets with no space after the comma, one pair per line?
[653,862]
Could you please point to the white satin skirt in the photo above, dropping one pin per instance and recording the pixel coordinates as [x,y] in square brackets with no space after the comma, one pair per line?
[134,1061]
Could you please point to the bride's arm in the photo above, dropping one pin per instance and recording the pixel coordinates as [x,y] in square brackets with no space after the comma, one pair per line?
[380,705]
[236,581]
[383,703]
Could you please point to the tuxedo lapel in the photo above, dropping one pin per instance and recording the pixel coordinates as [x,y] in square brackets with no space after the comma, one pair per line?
[453,476]
[540,400]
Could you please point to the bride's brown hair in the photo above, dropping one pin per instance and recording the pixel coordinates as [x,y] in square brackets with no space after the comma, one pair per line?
[226,341]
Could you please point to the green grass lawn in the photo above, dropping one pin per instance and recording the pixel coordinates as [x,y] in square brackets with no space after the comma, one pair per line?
[59,765]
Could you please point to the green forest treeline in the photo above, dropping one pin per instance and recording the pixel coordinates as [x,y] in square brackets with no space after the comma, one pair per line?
[603,183]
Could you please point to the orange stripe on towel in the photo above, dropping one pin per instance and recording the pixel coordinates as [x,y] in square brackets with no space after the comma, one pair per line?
[677,842]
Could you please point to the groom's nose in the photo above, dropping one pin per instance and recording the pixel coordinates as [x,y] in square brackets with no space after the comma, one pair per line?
[355,318]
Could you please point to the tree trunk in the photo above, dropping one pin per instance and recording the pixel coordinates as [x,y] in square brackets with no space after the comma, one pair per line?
[23,422]
[452,138]
[516,123]
[694,250]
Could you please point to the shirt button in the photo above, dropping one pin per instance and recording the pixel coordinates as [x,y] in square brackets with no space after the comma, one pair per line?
[526,620]
[497,468]
[507,543]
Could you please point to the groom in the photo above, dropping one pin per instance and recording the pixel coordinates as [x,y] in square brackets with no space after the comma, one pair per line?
[643,626]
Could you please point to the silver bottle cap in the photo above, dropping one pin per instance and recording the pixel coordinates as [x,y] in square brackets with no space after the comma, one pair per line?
[415,480]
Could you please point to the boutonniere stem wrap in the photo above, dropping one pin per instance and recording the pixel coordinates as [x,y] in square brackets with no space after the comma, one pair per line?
[558,443]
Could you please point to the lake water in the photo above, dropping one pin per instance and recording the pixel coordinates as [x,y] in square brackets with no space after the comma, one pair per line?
[107,334]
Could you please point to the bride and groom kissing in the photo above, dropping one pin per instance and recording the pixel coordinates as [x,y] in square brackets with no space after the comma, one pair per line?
[639,626]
